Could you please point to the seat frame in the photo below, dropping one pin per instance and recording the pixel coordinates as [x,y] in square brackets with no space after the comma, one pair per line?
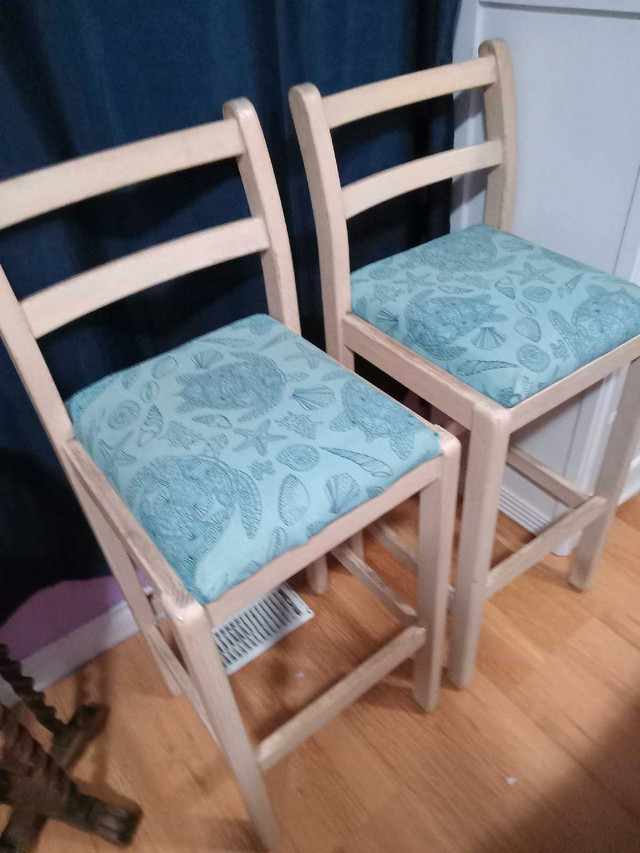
[458,406]
[187,654]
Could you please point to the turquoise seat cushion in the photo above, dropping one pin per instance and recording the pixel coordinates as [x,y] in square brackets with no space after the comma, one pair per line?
[505,316]
[241,444]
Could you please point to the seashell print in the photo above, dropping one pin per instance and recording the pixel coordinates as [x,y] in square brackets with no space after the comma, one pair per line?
[149,391]
[259,324]
[338,373]
[506,288]
[278,543]
[213,421]
[124,414]
[568,287]
[360,307]
[537,293]
[151,426]
[129,376]
[382,273]
[283,336]
[529,328]
[299,457]
[343,492]
[533,358]
[314,398]
[374,491]
[203,360]
[386,321]
[293,500]
[375,467]
[526,309]
[315,527]
[471,367]
[489,338]
[164,367]
[451,288]
[249,503]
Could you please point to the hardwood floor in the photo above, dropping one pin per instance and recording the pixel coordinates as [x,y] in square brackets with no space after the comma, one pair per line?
[541,753]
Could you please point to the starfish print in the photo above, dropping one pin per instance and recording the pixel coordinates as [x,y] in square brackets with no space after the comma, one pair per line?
[412,281]
[310,356]
[530,273]
[258,438]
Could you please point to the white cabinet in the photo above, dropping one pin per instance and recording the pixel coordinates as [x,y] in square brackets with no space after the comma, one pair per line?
[577,73]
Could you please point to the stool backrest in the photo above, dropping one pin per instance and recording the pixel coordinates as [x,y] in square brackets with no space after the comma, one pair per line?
[238,136]
[333,204]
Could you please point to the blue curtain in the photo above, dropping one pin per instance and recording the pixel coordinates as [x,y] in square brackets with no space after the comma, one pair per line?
[78,76]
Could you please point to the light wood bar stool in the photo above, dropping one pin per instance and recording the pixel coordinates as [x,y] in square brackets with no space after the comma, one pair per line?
[222,468]
[490,329]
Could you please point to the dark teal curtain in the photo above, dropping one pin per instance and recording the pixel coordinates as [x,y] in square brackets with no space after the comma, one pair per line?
[77,76]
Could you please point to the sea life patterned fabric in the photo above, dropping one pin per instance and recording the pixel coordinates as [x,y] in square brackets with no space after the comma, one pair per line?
[505,316]
[241,444]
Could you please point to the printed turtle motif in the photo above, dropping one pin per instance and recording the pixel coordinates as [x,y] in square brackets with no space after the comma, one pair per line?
[186,503]
[433,324]
[599,324]
[472,249]
[377,416]
[254,382]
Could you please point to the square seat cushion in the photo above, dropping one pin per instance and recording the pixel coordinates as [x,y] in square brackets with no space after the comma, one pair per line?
[241,444]
[505,316]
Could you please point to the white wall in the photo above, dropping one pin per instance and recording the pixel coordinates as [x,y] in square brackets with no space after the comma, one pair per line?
[577,74]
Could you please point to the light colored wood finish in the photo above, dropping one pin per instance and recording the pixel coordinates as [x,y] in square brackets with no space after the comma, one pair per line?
[194,667]
[489,424]
[500,119]
[61,303]
[395,603]
[57,186]
[531,553]
[345,107]
[545,477]
[307,722]
[321,168]
[318,576]
[194,635]
[260,186]
[395,544]
[621,448]
[374,189]
[486,459]
[553,708]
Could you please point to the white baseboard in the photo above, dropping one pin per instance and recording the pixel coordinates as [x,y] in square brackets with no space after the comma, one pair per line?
[66,655]
[632,485]
[523,512]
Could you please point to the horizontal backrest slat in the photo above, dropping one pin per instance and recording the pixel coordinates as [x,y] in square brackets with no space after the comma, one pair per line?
[382,186]
[363,101]
[57,186]
[74,297]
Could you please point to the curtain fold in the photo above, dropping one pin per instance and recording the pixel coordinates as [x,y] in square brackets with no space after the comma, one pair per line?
[78,76]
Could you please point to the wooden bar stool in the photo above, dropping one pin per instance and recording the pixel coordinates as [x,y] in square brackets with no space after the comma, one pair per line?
[222,468]
[490,329]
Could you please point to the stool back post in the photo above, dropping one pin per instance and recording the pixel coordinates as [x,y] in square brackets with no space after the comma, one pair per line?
[500,120]
[321,168]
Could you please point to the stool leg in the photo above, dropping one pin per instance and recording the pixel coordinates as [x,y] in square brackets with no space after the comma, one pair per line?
[318,576]
[435,542]
[195,638]
[485,469]
[622,444]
